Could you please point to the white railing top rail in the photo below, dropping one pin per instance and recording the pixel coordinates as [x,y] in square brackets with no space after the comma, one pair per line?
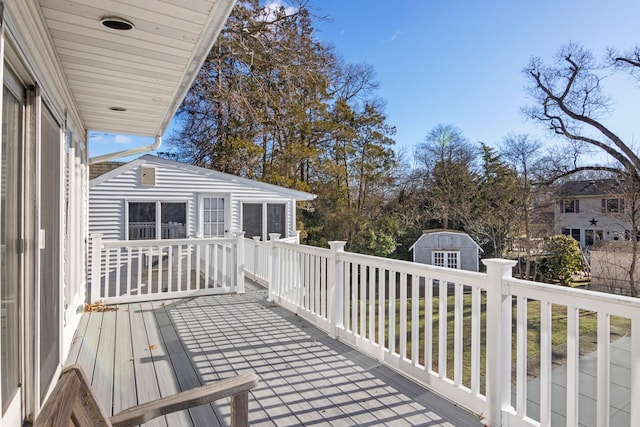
[164,242]
[470,278]
[312,250]
[582,298]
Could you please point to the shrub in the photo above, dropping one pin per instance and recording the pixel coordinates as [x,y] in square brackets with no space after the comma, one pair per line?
[564,258]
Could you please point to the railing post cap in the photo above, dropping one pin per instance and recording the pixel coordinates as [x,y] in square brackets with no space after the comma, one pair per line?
[239,233]
[499,261]
[274,236]
[337,244]
[504,265]
[256,238]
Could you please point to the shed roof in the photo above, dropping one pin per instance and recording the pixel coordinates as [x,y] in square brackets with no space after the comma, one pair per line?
[97,169]
[426,233]
[149,159]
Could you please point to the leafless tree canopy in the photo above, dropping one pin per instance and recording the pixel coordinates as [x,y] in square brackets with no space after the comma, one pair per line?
[570,102]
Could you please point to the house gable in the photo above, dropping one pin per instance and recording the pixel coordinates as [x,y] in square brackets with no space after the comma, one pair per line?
[112,197]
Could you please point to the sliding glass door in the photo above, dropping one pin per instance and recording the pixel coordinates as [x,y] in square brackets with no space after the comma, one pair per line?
[10,246]
[50,249]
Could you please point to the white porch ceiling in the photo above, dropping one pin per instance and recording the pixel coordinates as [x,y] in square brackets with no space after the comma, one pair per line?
[146,70]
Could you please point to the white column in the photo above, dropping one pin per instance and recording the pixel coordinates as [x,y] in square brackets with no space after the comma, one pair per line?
[335,289]
[498,368]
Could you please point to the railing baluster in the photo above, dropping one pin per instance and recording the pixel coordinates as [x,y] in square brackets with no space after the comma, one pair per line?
[603,370]
[118,271]
[634,393]
[129,272]
[403,316]
[415,320]
[476,321]
[354,298]
[521,357]
[107,273]
[179,274]
[442,328]
[428,324]
[140,262]
[381,309]
[371,311]
[362,314]
[545,363]
[189,251]
[392,311]
[170,269]
[573,355]
[458,311]
[158,249]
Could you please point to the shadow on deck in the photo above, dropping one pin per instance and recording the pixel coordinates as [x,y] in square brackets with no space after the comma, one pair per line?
[147,350]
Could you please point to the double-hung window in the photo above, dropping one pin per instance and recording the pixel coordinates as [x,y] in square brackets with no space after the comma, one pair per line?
[570,206]
[612,205]
[157,220]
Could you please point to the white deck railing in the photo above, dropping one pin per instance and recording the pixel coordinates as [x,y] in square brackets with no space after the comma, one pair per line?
[455,331]
[137,270]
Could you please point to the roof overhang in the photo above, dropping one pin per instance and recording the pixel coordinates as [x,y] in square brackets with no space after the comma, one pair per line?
[132,81]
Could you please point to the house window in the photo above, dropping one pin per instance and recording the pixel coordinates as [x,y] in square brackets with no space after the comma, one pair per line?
[148,220]
[213,217]
[612,205]
[447,259]
[573,232]
[570,206]
[260,219]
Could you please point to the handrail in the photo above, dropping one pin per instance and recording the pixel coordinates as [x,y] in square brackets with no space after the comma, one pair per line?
[235,387]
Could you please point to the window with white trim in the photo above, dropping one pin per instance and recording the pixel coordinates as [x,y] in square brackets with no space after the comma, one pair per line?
[148,220]
[449,259]
[213,216]
[261,219]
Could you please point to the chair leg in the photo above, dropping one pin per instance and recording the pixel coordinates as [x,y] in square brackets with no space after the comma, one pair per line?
[240,410]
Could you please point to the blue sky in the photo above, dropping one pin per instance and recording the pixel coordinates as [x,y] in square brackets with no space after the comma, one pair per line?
[460,63]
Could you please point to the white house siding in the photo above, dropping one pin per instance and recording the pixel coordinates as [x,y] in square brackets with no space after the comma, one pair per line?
[175,182]
[612,225]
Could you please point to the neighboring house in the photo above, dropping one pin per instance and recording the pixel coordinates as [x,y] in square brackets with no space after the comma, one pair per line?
[447,248]
[592,210]
[610,266]
[152,197]
[69,68]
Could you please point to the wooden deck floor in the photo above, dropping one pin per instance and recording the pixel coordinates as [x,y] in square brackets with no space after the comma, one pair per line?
[144,351]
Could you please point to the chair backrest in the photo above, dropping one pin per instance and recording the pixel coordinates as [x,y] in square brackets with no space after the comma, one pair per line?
[72,403]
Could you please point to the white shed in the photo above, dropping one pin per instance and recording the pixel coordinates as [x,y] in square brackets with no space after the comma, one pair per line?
[151,196]
[447,248]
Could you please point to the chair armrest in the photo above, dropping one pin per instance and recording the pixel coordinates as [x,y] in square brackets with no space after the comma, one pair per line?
[185,400]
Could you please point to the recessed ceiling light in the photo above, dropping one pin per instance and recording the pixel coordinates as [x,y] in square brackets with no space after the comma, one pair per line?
[117,109]
[116,23]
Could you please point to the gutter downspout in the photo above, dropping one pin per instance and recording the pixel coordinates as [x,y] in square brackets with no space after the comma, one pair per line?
[125,153]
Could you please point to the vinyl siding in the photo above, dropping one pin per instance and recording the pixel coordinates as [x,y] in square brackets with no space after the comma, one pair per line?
[107,200]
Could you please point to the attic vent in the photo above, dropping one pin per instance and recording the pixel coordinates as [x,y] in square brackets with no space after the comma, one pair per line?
[147,175]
